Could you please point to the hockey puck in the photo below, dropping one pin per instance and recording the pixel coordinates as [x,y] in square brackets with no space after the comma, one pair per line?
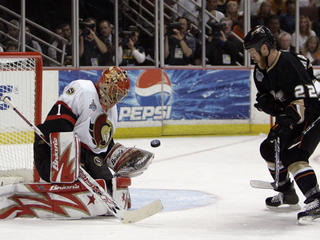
[155,143]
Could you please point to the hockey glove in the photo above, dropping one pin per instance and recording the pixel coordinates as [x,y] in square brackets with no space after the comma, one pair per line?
[283,131]
[284,125]
[266,103]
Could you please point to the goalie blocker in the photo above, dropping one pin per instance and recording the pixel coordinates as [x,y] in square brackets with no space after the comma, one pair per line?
[65,157]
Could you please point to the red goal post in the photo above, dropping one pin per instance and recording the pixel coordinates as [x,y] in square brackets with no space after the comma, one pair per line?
[21,81]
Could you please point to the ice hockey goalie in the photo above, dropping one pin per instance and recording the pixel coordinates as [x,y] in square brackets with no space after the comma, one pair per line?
[80,128]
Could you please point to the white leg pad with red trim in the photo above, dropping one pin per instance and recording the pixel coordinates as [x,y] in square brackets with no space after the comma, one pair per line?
[59,201]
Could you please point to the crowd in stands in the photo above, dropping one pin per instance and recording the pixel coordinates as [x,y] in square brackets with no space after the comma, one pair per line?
[183,40]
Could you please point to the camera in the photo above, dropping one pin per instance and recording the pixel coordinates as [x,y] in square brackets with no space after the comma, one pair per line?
[84,26]
[173,25]
[216,28]
[125,35]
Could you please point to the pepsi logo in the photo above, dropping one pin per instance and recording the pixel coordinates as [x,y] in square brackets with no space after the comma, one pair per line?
[152,86]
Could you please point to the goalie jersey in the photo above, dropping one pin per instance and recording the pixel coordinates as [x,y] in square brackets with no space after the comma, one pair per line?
[79,110]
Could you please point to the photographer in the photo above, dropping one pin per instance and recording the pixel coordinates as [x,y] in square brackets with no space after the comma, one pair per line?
[130,54]
[106,36]
[91,47]
[179,45]
[221,47]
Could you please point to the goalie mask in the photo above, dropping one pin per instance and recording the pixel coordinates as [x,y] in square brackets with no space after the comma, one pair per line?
[113,86]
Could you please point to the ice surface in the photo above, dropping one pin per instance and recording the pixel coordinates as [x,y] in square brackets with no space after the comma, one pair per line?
[204,185]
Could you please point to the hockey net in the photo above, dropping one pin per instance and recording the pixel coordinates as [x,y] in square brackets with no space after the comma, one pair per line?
[21,82]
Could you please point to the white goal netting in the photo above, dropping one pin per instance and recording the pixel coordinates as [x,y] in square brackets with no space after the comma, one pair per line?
[20,81]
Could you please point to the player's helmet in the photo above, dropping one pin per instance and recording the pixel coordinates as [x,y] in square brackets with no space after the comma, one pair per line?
[257,36]
[113,86]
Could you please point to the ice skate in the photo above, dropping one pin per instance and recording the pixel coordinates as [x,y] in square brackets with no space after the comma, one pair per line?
[287,198]
[310,213]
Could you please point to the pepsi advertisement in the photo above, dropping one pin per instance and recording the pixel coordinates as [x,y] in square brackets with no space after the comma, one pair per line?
[178,94]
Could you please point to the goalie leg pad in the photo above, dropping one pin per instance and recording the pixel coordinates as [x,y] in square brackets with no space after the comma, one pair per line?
[65,157]
[58,201]
[120,193]
[128,162]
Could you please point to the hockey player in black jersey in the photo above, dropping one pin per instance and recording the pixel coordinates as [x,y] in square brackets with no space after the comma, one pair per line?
[285,90]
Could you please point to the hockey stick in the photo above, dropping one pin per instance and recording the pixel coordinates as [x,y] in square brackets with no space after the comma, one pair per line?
[123,215]
[277,161]
[275,184]
[270,185]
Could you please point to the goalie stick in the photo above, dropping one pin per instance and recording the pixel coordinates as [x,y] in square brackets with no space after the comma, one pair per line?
[272,185]
[123,215]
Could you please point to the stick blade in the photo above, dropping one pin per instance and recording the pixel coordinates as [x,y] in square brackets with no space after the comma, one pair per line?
[142,213]
[261,184]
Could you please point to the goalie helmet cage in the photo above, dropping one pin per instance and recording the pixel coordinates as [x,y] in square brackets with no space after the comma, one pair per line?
[21,82]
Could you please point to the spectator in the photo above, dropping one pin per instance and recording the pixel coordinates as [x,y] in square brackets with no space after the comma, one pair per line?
[55,43]
[311,50]
[30,42]
[263,14]
[197,56]
[68,60]
[316,27]
[211,7]
[307,3]
[221,48]
[188,9]
[238,29]
[305,32]
[13,34]
[130,53]
[67,34]
[222,5]
[232,11]
[274,26]
[64,31]
[105,30]
[170,9]
[179,45]
[254,6]
[13,29]
[284,42]
[288,19]
[91,47]
[278,6]
[12,46]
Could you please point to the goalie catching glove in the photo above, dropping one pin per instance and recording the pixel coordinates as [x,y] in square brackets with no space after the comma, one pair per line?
[128,162]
